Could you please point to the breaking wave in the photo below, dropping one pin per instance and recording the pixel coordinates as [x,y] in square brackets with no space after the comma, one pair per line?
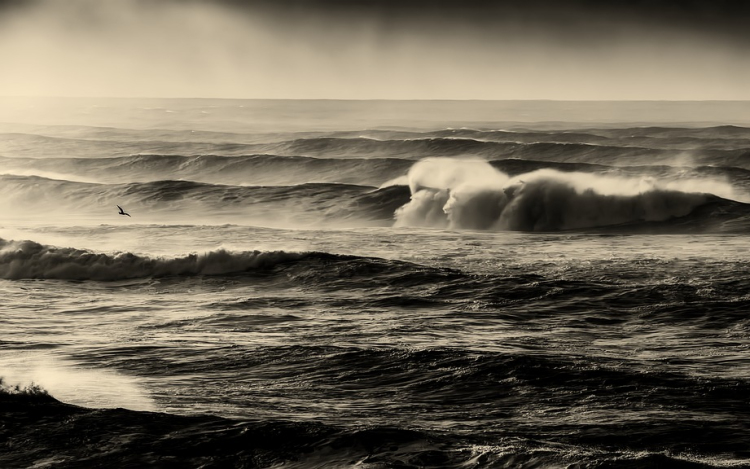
[451,193]
[436,192]
[28,259]
[31,260]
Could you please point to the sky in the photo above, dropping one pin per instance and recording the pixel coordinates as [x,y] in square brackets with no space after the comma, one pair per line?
[377,49]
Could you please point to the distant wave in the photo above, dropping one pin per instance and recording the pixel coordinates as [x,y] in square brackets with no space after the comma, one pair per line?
[237,170]
[300,205]
[190,156]
[639,145]
[533,146]
[412,148]
[474,195]
[418,148]
[295,170]
[727,136]
[35,146]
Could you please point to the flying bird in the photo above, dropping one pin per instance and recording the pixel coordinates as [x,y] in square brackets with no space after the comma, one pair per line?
[122,212]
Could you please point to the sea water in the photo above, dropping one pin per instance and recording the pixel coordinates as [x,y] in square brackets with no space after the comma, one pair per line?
[374,284]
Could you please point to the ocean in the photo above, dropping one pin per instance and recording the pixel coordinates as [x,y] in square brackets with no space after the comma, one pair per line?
[374,284]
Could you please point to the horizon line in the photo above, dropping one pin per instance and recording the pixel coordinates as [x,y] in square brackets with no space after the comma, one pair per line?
[379,99]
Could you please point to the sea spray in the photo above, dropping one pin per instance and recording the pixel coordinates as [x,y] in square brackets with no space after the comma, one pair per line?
[42,374]
[440,190]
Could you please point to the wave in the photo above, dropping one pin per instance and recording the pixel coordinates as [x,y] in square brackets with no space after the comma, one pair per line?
[36,146]
[725,145]
[28,259]
[413,148]
[55,431]
[441,193]
[419,148]
[390,407]
[556,147]
[718,137]
[664,137]
[236,170]
[31,197]
[718,131]
[295,170]
[452,193]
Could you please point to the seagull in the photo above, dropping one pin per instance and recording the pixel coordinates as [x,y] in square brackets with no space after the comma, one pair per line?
[122,212]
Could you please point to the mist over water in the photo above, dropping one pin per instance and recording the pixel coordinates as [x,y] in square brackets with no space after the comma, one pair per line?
[391,284]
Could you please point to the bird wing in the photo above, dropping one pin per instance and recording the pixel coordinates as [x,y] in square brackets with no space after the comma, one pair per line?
[121,210]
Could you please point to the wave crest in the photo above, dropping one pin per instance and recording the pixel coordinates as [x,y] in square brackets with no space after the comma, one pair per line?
[31,260]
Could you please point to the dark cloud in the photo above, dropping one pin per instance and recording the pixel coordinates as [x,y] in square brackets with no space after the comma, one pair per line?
[724,19]
[7,5]
[666,10]
[568,20]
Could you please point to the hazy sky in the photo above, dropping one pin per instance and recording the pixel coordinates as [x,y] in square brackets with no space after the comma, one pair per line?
[377,49]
